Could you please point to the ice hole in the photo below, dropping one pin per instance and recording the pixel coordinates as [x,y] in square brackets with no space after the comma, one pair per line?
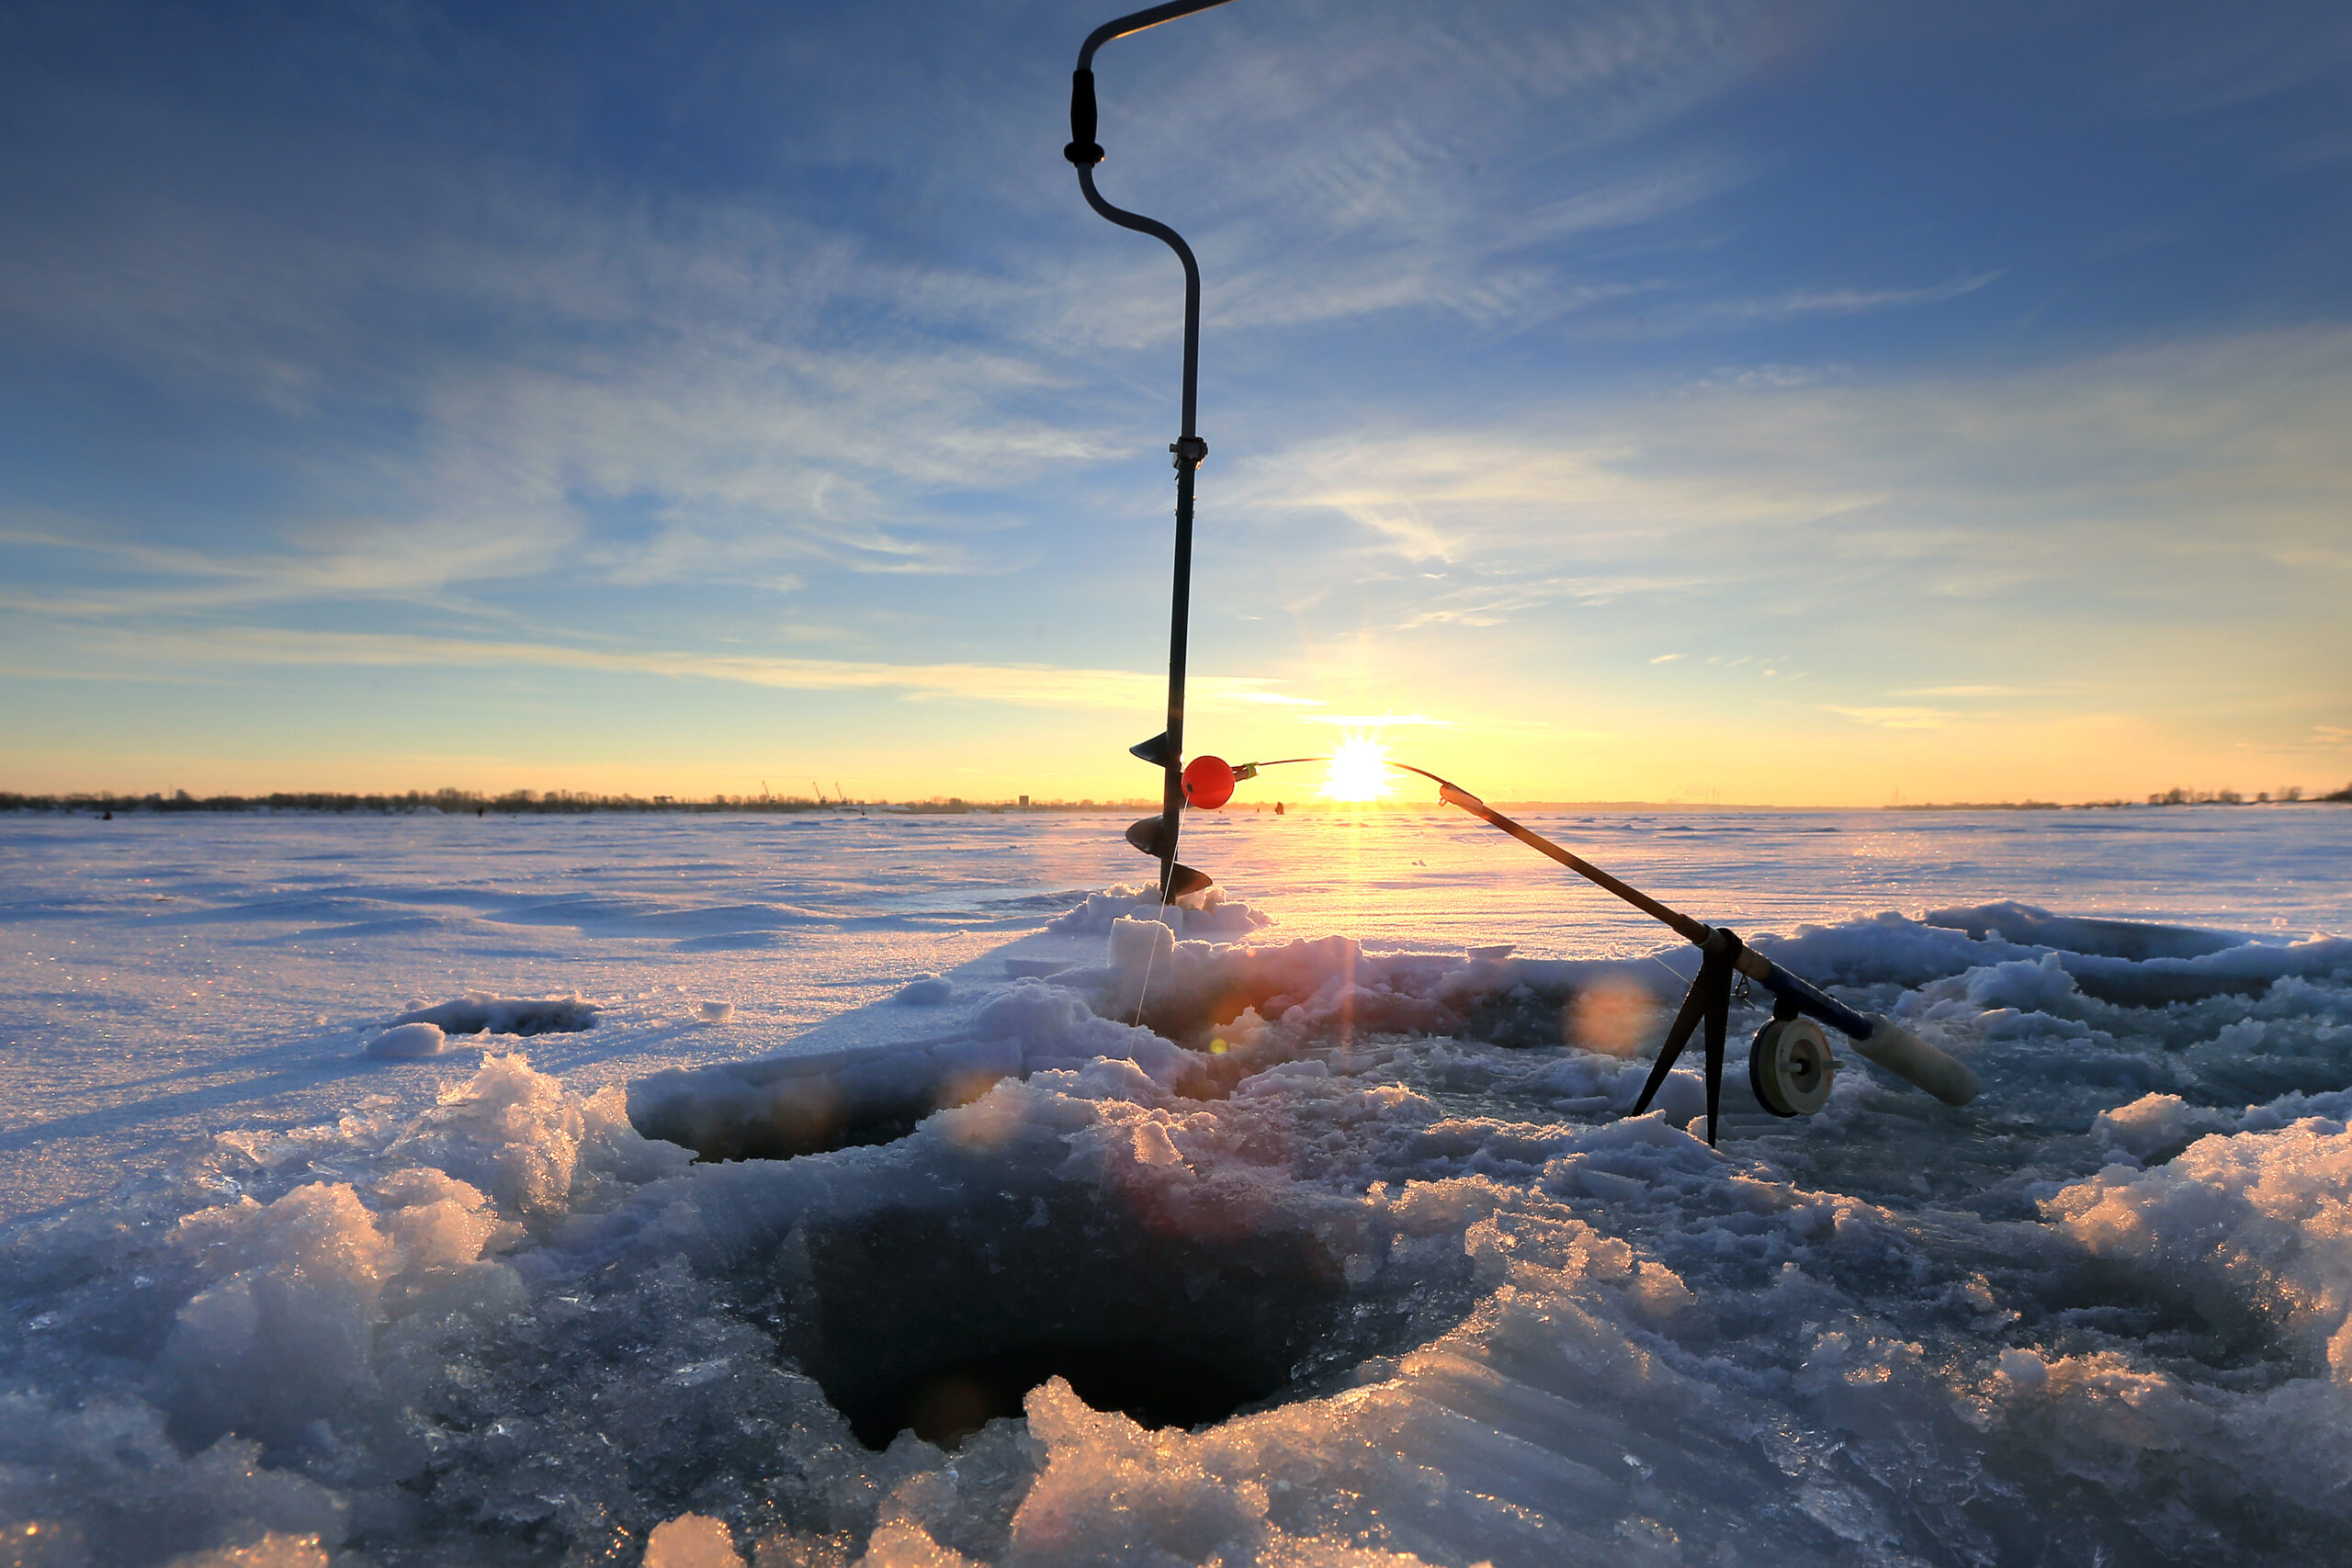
[938,1322]
[945,1405]
[479,1012]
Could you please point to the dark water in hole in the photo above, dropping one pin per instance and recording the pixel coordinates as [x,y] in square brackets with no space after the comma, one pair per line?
[1151,1384]
[472,1015]
[941,1319]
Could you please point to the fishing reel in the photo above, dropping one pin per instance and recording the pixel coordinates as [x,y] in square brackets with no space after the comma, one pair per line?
[1790,1066]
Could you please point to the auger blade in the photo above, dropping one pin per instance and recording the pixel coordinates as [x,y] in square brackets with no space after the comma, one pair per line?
[1183,879]
[1145,834]
[1149,834]
[1160,750]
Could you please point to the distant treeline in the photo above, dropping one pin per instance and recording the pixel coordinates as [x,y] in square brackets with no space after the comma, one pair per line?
[532,803]
[453,802]
[2293,793]
[2289,795]
[519,801]
[1990,805]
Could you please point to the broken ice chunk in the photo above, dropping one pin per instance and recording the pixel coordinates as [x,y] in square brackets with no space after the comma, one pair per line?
[408,1042]
[924,991]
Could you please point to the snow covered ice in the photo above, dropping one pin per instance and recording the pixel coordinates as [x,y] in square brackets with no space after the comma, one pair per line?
[1285,1231]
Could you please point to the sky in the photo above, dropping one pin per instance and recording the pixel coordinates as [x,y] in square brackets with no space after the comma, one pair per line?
[1805,404]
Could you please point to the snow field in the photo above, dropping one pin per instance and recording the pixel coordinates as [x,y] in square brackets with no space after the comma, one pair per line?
[1472,1313]
[1378,1200]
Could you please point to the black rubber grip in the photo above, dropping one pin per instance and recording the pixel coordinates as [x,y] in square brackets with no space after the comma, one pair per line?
[1083,147]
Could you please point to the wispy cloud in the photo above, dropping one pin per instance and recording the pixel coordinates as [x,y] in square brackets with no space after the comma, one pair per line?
[1844,301]
[340,559]
[1274,699]
[1463,495]
[685,410]
[1401,168]
[1900,717]
[1970,691]
[2196,63]
[2099,470]
[119,653]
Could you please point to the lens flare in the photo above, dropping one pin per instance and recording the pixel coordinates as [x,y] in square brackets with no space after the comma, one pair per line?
[1359,770]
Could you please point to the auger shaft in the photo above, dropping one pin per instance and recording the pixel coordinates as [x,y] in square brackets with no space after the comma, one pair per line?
[1165,749]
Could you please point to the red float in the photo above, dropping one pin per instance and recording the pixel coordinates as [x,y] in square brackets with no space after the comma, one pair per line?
[1208,782]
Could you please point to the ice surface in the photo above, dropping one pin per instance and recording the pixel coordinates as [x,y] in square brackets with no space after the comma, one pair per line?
[1471,1311]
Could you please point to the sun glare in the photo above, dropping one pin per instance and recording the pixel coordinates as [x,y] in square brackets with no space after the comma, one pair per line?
[1359,770]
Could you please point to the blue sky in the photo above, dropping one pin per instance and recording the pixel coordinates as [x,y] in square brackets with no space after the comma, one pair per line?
[1802,403]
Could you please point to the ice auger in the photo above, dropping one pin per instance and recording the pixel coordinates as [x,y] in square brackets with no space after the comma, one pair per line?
[1156,836]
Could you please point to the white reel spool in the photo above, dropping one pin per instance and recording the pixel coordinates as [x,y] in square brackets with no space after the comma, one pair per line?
[1790,1066]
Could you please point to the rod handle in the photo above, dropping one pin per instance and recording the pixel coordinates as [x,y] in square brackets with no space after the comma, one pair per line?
[1908,1057]
[1083,150]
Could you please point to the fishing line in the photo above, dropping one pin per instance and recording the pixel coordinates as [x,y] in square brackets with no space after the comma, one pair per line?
[1145,989]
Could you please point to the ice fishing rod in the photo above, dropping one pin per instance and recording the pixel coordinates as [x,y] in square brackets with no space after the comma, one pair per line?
[1165,750]
[1789,1064]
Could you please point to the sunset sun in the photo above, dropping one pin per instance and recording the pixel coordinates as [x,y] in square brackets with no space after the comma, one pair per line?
[1359,770]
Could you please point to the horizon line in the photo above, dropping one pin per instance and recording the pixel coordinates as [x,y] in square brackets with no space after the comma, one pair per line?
[518,802]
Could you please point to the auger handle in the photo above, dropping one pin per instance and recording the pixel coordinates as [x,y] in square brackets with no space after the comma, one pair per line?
[1083,150]
[1135,22]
